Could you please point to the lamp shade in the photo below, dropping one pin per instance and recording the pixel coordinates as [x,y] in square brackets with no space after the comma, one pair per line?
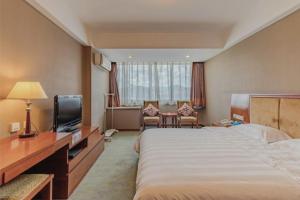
[27,91]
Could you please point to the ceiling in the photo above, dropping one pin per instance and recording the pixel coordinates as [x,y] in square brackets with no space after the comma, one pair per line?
[138,55]
[202,27]
[160,15]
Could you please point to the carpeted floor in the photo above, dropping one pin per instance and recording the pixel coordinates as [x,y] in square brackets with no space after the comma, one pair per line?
[112,177]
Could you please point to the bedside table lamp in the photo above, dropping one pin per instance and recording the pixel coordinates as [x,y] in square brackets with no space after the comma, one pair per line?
[27,91]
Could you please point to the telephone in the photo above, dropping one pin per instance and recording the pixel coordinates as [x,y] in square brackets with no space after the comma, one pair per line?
[226,121]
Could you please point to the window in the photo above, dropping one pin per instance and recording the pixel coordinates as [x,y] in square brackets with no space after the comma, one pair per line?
[166,82]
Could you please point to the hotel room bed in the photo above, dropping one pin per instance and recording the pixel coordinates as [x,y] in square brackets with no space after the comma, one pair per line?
[211,163]
[215,164]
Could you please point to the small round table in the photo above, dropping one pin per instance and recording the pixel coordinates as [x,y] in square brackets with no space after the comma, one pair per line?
[173,118]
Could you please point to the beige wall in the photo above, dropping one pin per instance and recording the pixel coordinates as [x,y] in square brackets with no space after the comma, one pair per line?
[99,87]
[34,49]
[268,62]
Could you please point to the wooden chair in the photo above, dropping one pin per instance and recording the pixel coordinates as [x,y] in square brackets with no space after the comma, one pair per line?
[187,120]
[151,120]
[28,186]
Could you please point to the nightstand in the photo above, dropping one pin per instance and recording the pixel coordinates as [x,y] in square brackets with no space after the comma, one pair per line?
[226,123]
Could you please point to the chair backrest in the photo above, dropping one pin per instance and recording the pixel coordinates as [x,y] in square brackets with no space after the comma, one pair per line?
[154,103]
[180,103]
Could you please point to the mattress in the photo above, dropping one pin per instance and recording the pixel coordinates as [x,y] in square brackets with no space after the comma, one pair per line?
[210,164]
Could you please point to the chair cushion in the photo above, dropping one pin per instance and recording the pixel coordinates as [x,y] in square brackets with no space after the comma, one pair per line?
[22,186]
[185,110]
[151,110]
[188,119]
[151,119]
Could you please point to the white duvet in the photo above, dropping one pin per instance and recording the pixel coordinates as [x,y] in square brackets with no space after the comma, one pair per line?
[212,164]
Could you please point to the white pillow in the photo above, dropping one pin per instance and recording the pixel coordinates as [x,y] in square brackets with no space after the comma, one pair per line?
[263,133]
[291,144]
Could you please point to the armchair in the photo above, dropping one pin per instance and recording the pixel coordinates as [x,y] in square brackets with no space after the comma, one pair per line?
[151,120]
[191,119]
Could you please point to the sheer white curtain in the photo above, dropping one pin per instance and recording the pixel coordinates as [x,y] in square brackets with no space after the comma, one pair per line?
[165,81]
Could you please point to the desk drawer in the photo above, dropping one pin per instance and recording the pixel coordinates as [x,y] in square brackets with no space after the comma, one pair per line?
[92,140]
[83,166]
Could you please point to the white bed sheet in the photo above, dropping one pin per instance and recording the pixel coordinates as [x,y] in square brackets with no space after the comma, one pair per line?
[210,164]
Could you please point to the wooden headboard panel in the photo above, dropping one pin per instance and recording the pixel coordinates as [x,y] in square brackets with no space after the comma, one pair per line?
[264,111]
[277,111]
[289,118]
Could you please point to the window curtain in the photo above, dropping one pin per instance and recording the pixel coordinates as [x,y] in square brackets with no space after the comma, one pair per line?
[113,87]
[165,81]
[198,85]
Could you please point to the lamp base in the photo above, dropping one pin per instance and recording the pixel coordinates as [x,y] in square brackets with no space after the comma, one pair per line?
[26,135]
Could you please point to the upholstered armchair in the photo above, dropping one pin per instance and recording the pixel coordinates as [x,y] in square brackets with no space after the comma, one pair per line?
[191,119]
[151,120]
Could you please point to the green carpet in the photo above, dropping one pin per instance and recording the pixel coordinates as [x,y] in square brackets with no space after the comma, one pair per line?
[113,175]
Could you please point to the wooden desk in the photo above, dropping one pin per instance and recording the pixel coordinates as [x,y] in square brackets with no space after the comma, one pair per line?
[48,153]
[18,155]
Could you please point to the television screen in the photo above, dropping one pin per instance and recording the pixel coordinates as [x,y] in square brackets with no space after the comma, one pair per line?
[67,112]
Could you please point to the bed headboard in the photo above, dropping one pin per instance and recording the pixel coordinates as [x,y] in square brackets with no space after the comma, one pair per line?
[277,111]
[264,111]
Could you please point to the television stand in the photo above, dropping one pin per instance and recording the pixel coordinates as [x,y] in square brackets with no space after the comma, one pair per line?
[71,160]
[87,145]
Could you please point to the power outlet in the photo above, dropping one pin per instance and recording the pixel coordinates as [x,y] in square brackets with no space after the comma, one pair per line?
[15,127]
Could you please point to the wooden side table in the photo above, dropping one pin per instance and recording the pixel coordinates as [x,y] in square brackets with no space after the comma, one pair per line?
[170,115]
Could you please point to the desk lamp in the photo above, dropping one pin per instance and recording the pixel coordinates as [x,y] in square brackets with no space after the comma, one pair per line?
[27,91]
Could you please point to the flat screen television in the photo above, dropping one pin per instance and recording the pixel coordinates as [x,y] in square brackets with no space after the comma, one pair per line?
[67,113]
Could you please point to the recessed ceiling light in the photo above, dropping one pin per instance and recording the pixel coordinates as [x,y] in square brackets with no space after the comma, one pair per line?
[129,57]
[187,56]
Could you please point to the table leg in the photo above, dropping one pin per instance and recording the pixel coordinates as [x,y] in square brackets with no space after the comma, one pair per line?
[166,122]
[173,121]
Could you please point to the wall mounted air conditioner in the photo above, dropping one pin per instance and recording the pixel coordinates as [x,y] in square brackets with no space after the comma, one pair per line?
[102,61]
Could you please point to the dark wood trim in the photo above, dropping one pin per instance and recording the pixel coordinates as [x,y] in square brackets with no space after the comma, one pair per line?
[288,96]
[87,84]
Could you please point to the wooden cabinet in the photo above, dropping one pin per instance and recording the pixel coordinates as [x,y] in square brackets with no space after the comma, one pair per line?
[49,153]
[92,146]
[79,171]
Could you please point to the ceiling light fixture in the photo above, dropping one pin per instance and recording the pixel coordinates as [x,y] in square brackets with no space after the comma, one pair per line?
[187,56]
[129,57]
